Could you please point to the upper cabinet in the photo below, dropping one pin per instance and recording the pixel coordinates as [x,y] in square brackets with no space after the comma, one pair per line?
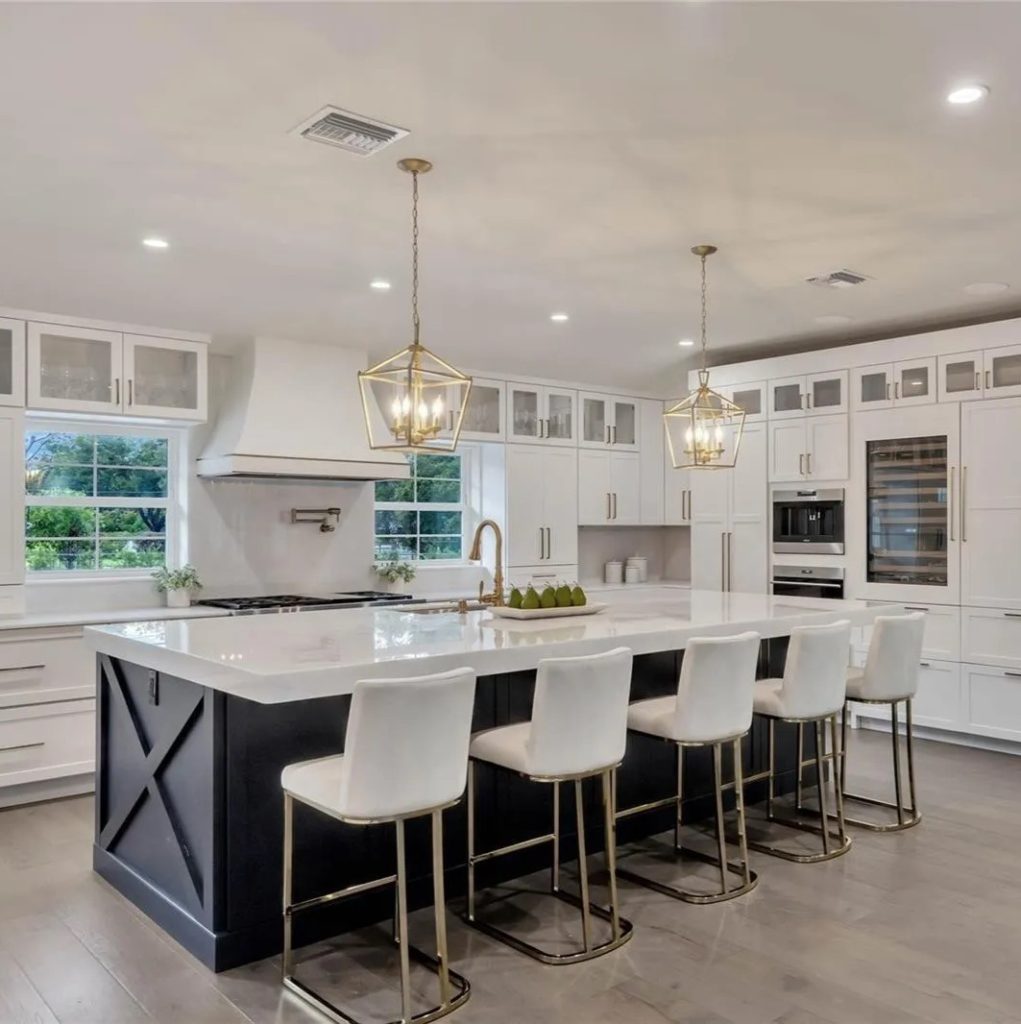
[995,373]
[78,369]
[881,387]
[749,397]
[793,397]
[609,422]
[541,415]
[815,448]
[12,362]
[484,414]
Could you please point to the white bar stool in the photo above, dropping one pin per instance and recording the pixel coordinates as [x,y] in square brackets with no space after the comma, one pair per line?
[578,730]
[405,756]
[712,706]
[811,692]
[890,675]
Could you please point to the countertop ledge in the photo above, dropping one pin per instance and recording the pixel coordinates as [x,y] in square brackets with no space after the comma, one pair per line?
[279,658]
[109,616]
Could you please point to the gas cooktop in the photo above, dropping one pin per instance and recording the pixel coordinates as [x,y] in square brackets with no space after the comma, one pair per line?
[300,603]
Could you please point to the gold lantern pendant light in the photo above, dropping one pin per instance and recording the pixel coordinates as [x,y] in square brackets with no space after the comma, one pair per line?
[704,430]
[414,401]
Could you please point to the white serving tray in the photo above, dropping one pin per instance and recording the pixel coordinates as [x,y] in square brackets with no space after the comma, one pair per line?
[592,608]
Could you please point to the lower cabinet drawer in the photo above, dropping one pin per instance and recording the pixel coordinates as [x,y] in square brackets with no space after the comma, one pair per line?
[47,741]
[991,636]
[992,701]
[938,704]
[942,640]
[40,666]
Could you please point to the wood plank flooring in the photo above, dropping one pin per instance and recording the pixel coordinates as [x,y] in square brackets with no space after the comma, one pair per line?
[920,926]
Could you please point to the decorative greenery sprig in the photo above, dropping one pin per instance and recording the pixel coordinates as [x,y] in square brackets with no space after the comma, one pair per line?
[185,578]
[393,571]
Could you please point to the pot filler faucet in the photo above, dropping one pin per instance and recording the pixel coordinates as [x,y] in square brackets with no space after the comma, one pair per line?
[475,555]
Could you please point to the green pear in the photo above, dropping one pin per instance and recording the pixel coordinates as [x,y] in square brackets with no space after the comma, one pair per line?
[516,598]
[531,599]
[563,596]
[578,597]
[549,598]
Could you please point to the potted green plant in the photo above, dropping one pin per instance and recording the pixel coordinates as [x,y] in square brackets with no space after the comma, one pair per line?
[177,584]
[394,572]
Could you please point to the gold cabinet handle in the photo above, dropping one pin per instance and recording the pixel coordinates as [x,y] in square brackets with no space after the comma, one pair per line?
[964,503]
[723,561]
[989,379]
[801,464]
[978,380]
[953,470]
[609,506]
[117,391]
[23,668]
[549,543]
[131,393]
[888,391]
[730,561]
[22,746]
[808,462]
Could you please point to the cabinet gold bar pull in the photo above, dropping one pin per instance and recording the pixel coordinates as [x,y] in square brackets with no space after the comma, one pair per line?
[915,608]
[23,668]
[609,506]
[808,462]
[131,392]
[989,379]
[1013,675]
[953,470]
[978,380]
[117,390]
[549,543]
[723,561]
[964,503]
[896,390]
[22,746]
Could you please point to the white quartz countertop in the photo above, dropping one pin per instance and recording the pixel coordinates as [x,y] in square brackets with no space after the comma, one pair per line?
[278,658]
[41,620]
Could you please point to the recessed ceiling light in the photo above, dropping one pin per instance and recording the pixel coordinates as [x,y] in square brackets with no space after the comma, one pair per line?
[380,285]
[558,318]
[968,94]
[152,242]
[833,319]
[986,288]
[685,343]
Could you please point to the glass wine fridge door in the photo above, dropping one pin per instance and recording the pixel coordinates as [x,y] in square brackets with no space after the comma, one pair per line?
[908,511]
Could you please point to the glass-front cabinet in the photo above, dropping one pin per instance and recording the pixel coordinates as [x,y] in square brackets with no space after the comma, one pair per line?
[541,415]
[608,422]
[12,362]
[75,369]
[484,413]
[791,397]
[995,373]
[749,397]
[1002,372]
[164,377]
[912,382]
[908,511]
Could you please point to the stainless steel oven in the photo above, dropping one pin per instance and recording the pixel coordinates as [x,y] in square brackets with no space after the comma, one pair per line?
[808,581]
[808,520]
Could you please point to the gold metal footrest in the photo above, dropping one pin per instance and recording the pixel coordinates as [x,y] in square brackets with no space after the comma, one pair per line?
[801,858]
[688,895]
[625,930]
[911,816]
[460,985]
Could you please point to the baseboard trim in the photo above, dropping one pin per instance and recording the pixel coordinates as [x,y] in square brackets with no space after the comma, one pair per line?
[50,789]
[958,739]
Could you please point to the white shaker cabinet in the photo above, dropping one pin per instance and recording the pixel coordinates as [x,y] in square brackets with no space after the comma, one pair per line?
[609,422]
[729,533]
[484,415]
[793,397]
[1001,372]
[164,378]
[912,382]
[993,373]
[992,701]
[652,441]
[12,362]
[609,486]
[12,497]
[991,636]
[751,398]
[813,448]
[990,504]
[541,415]
[542,506]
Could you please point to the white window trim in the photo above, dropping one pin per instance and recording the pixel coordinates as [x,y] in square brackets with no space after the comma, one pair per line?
[469,487]
[172,502]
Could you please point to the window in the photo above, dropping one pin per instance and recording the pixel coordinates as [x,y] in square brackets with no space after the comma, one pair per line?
[97,502]
[422,518]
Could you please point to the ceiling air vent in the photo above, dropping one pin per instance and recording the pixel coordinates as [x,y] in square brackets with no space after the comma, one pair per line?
[335,127]
[837,279]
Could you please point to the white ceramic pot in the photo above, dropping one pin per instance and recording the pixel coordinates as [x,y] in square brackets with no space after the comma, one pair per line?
[180,598]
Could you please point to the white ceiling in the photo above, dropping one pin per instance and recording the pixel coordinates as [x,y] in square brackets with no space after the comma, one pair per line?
[580,150]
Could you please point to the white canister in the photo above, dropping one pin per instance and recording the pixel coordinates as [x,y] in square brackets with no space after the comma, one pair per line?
[614,572]
[641,566]
[632,574]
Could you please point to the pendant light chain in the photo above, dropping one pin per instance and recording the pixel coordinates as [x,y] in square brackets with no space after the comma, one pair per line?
[704,306]
[414,253]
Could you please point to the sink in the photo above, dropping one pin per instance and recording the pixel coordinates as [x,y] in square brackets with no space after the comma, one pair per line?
[441,607]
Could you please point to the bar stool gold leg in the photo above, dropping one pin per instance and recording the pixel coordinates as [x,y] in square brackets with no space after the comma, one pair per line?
[911,756]
[440,908]
[771,783]
[844,714]
[721,840]
[610,824]
[838,796]
[895,734]
[471,840]
[586,909]
[820,753]
[288,955]
[801,758]
[402,913]
[556,838]
[679,816]
[742,830]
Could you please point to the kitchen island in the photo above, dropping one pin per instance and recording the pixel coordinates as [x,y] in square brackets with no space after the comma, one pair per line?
[197,718]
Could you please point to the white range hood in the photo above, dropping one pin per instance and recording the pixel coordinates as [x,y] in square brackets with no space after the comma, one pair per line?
[294,410]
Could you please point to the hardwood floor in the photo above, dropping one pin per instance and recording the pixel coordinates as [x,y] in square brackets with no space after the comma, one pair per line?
[923,925]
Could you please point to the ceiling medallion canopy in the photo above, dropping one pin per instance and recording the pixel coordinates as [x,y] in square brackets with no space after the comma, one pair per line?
[414,401]
[704,430]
